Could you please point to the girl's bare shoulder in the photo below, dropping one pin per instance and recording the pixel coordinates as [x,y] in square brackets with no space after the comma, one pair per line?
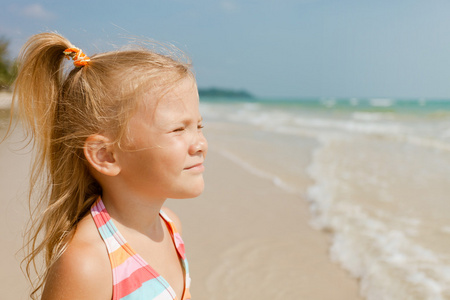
[84,270]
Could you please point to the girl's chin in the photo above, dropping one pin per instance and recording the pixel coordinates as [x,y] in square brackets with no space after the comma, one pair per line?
[194,191]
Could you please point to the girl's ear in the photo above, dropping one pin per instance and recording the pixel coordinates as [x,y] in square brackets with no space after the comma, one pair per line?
[100,153]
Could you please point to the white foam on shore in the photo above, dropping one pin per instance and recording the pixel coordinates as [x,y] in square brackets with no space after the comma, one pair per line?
[388,262]
[369,116]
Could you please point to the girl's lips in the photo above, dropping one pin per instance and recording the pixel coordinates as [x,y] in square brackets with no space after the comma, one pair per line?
[198,167]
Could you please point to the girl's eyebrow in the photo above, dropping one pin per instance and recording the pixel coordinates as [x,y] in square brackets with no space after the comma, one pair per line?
[189,120]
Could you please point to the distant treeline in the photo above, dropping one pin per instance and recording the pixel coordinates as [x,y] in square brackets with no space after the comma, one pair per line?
[225,93]
[8,68]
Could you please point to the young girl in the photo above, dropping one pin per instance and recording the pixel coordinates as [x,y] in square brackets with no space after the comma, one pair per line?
[114,138]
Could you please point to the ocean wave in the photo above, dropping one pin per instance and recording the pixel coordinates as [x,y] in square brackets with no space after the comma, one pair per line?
[381,125]
[378,248]
[381,102]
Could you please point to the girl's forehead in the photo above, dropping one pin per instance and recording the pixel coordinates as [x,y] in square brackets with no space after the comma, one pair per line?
[179,100]
[169,93]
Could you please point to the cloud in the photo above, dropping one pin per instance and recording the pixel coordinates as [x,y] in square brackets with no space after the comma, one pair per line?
[36,11]
[229,6]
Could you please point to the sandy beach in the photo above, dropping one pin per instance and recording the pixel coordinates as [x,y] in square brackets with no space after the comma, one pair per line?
[246,237]
[14,166]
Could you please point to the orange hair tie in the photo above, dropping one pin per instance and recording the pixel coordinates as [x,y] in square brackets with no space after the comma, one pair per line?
[79,58]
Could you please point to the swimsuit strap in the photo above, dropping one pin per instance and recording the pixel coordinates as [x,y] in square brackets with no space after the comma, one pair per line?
[133,277]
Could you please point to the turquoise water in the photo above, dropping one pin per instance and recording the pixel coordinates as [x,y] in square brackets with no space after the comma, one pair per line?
[400,106]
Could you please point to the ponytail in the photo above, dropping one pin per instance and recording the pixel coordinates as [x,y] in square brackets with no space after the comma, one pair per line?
[38,83]
[37,91]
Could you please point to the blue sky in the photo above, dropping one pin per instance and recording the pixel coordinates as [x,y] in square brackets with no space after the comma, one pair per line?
[273,48]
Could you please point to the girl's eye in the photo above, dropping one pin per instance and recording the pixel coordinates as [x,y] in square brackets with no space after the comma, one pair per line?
[200,126]
[179,129]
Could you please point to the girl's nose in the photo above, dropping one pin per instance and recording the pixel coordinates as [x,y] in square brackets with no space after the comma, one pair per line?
[200,144]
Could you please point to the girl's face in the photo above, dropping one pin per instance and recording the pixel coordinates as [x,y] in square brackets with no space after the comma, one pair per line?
[166,148]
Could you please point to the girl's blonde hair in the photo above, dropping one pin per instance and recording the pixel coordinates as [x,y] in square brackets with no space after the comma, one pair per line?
[59,110]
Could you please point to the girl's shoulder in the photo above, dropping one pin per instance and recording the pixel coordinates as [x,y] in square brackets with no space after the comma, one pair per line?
[83,271]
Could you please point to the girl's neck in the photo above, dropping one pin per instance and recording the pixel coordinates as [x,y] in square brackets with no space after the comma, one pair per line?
[135,213]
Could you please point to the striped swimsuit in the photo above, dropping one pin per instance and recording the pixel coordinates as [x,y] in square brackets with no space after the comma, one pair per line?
[133,278]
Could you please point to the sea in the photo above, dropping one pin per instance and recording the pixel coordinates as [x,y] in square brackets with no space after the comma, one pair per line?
[380,182]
